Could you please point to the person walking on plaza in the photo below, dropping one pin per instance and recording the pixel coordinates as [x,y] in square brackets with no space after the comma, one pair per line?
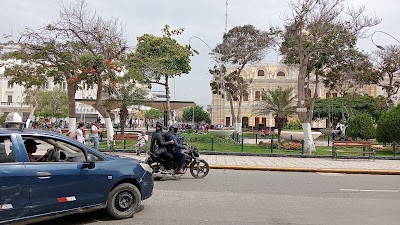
[80,133]
[95,132]
[142,141]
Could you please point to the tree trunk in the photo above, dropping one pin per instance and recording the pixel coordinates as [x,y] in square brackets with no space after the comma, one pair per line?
[279,135]
[103,111]
[232,109]
[238,124]
[110,130]
[308,141]
[240,84]
[123,116]
[31,114]
[71,90]
[167,97]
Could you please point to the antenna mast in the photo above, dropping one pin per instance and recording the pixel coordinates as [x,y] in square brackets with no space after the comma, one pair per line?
[226,17]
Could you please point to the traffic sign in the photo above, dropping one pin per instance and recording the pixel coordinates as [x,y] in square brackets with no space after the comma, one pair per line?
[301,109]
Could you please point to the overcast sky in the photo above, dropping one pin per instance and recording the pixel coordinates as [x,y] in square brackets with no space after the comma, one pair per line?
[202,18]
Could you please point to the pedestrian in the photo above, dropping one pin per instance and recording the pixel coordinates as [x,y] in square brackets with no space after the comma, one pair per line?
[80,133]
[142,141]
[130,123]
[57,129]
[95,133]
[35,125]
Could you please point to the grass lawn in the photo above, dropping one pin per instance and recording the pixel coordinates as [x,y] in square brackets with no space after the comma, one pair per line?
[253,148]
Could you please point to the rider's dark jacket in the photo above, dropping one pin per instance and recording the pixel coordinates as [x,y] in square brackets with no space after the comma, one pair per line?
[158,136]
[168,136]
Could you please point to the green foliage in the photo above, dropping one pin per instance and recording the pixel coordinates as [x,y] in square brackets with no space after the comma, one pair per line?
[361,126]
[199,114]
[349,106]
[241,45]
[267,145]
[159,57]
[53,103]
[294,125]
[279,101]
[388,63]
[3,118]
[388,126]
[206,138]
[153,114]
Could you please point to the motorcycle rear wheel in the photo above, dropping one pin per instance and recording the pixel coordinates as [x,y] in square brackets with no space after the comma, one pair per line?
[199,169]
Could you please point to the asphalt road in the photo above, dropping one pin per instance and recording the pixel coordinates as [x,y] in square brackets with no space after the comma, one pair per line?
[260,197]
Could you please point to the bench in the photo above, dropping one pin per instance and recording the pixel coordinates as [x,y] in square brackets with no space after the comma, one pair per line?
[354,144]
[124,138]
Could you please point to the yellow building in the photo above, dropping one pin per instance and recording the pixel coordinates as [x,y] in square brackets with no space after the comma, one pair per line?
[263,77]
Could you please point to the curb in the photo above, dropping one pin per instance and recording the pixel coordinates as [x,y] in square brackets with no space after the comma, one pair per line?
[312,170]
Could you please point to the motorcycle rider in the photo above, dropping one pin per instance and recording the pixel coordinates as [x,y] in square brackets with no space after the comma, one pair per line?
[158,136]
[174,150]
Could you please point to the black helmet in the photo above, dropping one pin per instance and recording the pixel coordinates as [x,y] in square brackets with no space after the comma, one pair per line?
[173,128]
[159,126]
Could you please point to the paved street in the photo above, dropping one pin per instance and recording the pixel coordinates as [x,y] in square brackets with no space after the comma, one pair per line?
[261,197]
[289,163]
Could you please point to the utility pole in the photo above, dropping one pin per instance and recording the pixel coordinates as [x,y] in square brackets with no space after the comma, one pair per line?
[226,17]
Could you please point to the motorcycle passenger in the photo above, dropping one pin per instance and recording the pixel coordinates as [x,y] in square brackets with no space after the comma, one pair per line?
[157,136]
[179,157]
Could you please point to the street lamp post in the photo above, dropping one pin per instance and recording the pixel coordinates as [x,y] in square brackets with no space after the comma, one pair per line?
[218,60]
[380,46]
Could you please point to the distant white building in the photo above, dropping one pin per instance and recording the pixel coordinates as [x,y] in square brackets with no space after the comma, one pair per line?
[12,96]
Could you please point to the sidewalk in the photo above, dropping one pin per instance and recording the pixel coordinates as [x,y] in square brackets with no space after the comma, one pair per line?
[321,165]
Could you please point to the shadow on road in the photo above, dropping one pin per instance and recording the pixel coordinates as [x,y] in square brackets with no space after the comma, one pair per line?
[81,218]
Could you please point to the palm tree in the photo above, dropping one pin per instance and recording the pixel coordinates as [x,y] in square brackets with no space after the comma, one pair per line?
[281,102]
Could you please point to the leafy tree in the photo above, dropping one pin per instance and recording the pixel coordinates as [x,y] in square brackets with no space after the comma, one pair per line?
[348,70]
[199,114]
[125,95]
[80,46]
[361,126]
[318,29]
[343,108]
[281,102]
[153,114]
[22,67]
[388,63]
[242,45]
[53,103]
[158,59]
[388,126]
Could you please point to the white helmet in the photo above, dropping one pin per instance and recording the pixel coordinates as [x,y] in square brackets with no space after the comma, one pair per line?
[13,117]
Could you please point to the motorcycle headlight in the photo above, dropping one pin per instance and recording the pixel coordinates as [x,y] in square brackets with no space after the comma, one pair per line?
[146,167]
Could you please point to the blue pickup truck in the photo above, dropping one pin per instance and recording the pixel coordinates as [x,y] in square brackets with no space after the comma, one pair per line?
[70,178]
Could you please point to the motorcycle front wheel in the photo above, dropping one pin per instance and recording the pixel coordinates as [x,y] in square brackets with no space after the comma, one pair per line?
[199,169]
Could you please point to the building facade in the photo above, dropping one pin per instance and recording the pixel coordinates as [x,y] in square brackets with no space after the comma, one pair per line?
[270,76]
[12,97]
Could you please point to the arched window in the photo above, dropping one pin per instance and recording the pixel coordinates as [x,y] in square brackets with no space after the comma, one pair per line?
[307,91]
[260,73]
[257,98]
[280,74]
[245,97]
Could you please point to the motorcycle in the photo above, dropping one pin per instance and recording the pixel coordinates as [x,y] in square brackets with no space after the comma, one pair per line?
[198,168]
